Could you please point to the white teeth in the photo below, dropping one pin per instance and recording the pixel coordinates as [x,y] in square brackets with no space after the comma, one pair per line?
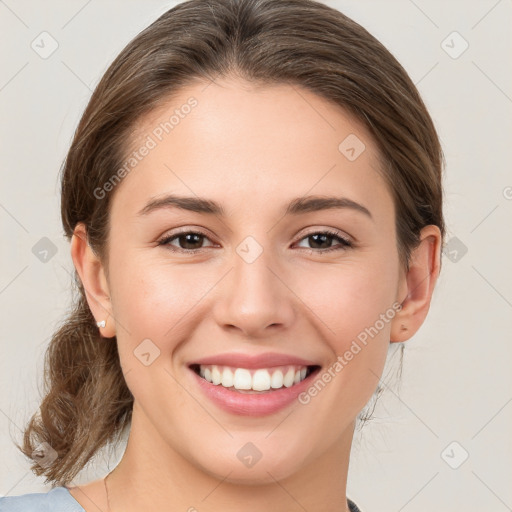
[277,380]
[216,375]
[242,379]
[227,378]
[257,380]
[288,378]
[261,380]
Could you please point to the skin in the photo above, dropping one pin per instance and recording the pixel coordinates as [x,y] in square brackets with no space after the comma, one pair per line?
[253,150]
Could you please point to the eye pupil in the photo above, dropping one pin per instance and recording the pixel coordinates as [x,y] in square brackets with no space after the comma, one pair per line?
[197,236]
[323,238]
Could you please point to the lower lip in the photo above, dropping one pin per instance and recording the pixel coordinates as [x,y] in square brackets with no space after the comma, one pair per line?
[248,404]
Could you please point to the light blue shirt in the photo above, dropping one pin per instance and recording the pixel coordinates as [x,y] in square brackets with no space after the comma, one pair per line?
[58,499]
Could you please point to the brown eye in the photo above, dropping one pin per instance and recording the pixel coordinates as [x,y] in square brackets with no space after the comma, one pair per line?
[187,241]
[322,241]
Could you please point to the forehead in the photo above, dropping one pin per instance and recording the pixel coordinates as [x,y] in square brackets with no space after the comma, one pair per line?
[250,148]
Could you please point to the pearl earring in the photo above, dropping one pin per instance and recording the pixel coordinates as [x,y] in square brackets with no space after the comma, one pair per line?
[102,323]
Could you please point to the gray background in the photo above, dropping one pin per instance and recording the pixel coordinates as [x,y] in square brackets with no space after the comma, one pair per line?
[456,385]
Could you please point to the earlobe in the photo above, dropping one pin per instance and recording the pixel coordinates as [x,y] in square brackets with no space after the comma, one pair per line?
[419,283]
[92,275]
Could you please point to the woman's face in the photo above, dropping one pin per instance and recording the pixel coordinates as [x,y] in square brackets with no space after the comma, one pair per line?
[257,278]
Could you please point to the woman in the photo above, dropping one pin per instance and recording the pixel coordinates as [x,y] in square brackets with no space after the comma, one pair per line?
[254,203]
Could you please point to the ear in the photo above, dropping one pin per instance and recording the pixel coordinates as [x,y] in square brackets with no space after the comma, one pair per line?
[417,285]
[92,274]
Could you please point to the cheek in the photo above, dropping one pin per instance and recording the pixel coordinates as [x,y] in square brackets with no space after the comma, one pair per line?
[152,305]
[155,300]
[349,298]
[352,305]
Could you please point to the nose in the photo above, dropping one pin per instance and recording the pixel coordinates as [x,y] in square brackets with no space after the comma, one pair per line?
[254,298]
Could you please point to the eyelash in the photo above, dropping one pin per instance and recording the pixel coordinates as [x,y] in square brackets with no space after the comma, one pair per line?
[344,242]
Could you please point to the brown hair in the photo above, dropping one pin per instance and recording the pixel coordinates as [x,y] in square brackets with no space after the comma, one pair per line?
[299,42]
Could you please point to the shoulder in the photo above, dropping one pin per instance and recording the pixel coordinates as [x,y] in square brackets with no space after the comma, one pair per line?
[57,499]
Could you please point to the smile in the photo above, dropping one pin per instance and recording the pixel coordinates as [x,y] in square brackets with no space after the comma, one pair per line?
[254,380]
[254,391]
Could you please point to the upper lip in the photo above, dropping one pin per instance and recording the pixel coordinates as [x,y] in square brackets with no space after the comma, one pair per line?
[265,360]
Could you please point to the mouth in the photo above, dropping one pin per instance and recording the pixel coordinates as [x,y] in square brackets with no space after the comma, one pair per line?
[254,380]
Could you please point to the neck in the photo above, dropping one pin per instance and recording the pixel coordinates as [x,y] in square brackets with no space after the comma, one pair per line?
[153,475]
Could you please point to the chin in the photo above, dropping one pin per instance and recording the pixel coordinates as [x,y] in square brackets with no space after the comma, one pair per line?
[236,467]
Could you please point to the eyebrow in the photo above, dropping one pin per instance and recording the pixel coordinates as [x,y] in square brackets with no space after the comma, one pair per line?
[297,206]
